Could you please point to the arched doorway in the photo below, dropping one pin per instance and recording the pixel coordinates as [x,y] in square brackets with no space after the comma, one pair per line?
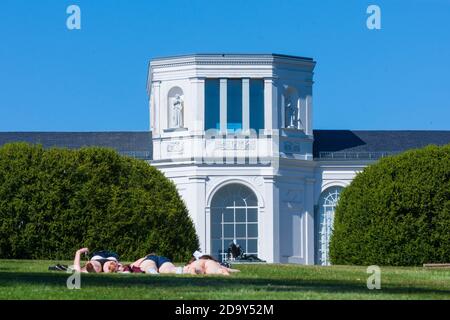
[324,220]
[234,217]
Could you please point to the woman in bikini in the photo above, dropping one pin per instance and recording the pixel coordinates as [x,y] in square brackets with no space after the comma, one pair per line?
[153,264]
[98,263]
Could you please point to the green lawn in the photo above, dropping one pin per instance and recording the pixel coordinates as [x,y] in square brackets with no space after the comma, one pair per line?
[31,280]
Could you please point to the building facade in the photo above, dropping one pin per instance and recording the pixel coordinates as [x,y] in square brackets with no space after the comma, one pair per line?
[234,132]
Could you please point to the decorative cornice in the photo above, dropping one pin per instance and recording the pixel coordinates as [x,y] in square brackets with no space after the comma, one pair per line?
[211,62]
[233,56]
[228,59]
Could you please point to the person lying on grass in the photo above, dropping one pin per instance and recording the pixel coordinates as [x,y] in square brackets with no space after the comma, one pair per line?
[152,264]
[101,261]
[207,265]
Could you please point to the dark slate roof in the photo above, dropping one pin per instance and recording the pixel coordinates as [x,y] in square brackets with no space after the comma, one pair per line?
[328,144]
[348,144]
[134,144]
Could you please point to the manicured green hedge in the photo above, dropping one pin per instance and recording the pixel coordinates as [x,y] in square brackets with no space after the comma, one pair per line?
[396,212]
[54,201]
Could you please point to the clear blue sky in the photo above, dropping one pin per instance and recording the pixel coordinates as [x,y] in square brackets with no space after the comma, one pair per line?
[94,79]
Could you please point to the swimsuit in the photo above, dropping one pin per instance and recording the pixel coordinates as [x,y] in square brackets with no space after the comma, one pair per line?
[159,260]
[103,258]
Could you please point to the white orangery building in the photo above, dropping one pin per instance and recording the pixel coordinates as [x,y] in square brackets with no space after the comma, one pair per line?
[234,132]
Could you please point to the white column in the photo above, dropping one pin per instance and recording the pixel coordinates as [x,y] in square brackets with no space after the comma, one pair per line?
[309,112]
[156,107]
[276,222]
[269,248]
[245,104]
[223,105]
[208,245]
[163,108]
[197,200]
[309,225]
[198,104]
[151,107]
[270,105]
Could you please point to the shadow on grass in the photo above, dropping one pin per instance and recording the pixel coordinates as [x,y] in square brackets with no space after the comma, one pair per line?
[171,283]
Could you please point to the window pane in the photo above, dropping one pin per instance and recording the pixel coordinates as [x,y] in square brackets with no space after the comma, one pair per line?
[251,200]
[252,246]
[246,224]
[241,243]
[219,202]
[252,230]
[212,104]
[240,231]
[239,202]
[324,226]
[216,216]
[216,231]
[252,215]
[240,215]
[228,215]
[256,104]
[216,247]
[226,244]
[234,104]
[228,230]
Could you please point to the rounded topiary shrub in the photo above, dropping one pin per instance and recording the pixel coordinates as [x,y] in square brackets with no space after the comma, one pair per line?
[396,212]
[54,201]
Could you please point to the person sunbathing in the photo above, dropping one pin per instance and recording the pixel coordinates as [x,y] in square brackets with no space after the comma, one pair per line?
[153,264]
[206,264]
[100,262]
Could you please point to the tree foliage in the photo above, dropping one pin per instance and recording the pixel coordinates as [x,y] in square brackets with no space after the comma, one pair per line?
[396,212]
[54,201]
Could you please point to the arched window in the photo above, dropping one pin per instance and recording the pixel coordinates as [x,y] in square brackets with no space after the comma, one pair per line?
[324,220]
[234,217]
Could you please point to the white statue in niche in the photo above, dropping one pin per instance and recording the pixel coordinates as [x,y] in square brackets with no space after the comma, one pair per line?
[291,111]
[177,112]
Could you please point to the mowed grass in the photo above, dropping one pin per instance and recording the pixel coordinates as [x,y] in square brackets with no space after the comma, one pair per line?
[31,280]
